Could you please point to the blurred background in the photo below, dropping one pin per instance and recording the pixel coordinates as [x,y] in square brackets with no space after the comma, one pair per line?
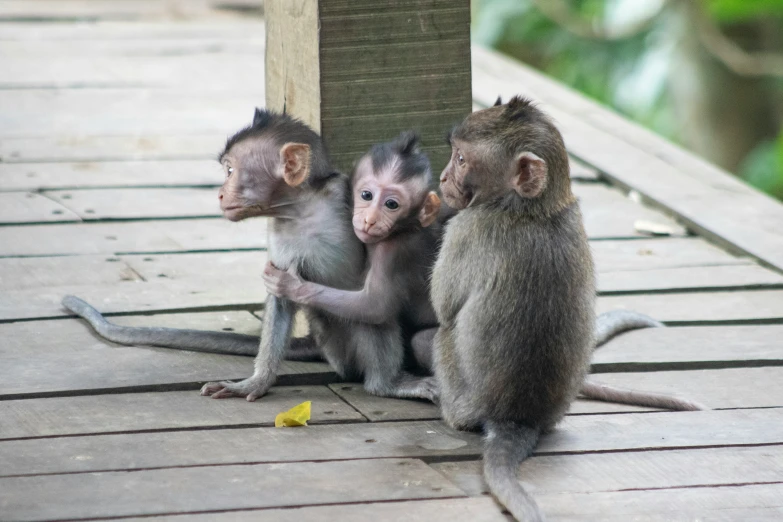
[707,74]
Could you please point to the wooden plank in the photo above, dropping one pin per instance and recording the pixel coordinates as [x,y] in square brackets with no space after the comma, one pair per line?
[592,472]
[703,307]
[132,451]
[67,10]
[87,148]
[608,213]
[41,273]
[726,388]
[672,430]
[579,171]
[170,66]
[136,203]
[749,276]
[691,347]
[727,504]
[649,254]
[34,355]
[132,237]
[711,202]
[473,509]
[45,112]
[105,174]
[132,283]
[26,207]
[138,412]
[384,408]
[222,28]
[188,490]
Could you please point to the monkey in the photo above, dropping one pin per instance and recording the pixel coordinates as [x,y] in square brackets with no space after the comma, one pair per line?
[396,288]
[399,220]
[397,216]
[279,168]
[513,289]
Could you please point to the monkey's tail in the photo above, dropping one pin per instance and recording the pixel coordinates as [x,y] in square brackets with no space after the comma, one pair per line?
[507,444]
[604,392]
[611,324]
[192,340]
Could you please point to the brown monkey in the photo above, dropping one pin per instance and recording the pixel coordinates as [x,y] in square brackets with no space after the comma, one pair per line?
[513,289]
[278,167]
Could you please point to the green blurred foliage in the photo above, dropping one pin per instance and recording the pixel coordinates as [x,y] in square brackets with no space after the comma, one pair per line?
[736,10]
[608,70]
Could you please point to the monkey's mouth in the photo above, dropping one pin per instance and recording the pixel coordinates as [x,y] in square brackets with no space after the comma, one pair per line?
[367,238]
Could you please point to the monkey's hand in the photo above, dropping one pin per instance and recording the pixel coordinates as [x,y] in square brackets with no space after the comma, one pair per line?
[251,388]
[287,285]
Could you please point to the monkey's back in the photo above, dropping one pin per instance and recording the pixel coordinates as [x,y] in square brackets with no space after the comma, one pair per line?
[517,295]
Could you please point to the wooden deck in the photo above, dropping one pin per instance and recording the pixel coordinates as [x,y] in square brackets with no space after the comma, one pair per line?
[111,114]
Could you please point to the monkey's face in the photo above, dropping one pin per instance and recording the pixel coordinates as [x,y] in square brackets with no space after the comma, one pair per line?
[457,179]
[259,176]
[381,202]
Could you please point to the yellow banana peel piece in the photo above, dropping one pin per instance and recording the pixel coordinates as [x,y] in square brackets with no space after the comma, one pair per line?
[296,416]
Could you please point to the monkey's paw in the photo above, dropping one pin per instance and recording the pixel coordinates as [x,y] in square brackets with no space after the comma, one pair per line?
[430,389]
[251,388]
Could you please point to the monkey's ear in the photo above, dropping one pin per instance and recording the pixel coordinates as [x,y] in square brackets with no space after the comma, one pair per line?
[531,175]
[295,162]
[429,210]
[499,101]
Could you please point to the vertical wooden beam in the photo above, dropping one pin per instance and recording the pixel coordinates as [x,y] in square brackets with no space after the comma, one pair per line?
[360,71]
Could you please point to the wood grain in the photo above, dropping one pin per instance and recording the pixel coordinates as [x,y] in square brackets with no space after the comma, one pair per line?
[105,174]
[703,307]
[131,451]
[26,207]
[134,412]
[66,357]
[189,490]
[171,235]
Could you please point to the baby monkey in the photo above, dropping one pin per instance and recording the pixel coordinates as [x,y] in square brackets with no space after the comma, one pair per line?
[401,222]
[399,219]
[513,289]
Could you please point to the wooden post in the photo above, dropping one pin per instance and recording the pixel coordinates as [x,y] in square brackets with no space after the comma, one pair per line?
[361,71]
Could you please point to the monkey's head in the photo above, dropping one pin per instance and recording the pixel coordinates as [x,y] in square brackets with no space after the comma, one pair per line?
[391,190]
[509,153]
[267,163]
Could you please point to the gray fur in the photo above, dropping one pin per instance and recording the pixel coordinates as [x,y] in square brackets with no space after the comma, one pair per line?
[514,292]
[611,324]
[192,340]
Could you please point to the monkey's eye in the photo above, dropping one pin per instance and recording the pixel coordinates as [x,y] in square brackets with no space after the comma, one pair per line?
[366,195]
[230,170]
[391,204]
[460,159]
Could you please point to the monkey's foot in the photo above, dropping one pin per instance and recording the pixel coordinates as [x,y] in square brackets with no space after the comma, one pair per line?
[251,388]
[411,387]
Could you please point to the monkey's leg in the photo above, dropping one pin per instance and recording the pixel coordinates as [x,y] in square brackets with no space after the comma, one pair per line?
[380,354]
[422,344]
[275,335]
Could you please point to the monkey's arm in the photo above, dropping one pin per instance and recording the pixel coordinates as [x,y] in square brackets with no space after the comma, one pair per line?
[376,303]
[276,333]
[192,340]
